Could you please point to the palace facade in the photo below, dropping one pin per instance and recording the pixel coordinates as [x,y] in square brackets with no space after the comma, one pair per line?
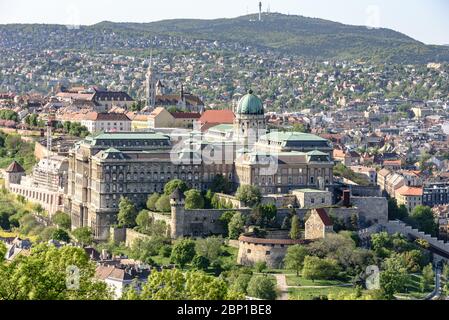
[110,165]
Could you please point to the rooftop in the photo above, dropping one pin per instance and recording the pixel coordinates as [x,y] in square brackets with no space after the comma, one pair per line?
[292,136]
[410,191]
[14,167]
[130,136]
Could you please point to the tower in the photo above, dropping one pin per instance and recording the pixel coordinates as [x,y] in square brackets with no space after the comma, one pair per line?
[249,123]
[13,174]
[151,85]
[177,214]
[260,11]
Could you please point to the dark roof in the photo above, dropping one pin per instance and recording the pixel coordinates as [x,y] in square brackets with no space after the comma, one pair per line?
[14,167]
[111,95]
[112,117]
[174,99]
[186,115]
[177,194]
[324,217]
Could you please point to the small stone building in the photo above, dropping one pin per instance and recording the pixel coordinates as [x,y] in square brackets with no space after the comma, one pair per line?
[268,250]
[311,198]
[318,225]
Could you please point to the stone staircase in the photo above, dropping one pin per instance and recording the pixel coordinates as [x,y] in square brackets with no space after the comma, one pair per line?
[398,226]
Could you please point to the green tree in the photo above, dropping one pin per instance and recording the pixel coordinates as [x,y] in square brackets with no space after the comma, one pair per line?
[83,235]
[62,220]
[194,199]
[423,219]
[320,269]
[43,276]
[240,283]
[393,278]
[225,219]
[395,212]
[260,266]
[145,249]
[152,200]
[210,247]
[295,230]
[294,259]
[183,252]
[428,277]
[220,184]
[173,185]
[249,195]
[61,235]
[144,221]
[193,285]
[236,226]
[264,215]
[127,213]
[163,204]
[200,262]
[2,252]
[262,287]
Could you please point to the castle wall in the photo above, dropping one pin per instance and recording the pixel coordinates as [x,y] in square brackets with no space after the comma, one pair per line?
[270,251]
[371,209]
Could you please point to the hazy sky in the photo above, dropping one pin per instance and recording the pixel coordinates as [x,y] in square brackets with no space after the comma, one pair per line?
[424,20]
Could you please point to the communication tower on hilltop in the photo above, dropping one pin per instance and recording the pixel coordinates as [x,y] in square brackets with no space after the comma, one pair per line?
[260,11]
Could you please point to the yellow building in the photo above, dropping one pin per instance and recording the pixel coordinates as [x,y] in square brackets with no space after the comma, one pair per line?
[139,122]
[411,197]
[160,118]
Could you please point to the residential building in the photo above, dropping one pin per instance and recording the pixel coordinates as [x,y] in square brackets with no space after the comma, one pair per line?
[411,197]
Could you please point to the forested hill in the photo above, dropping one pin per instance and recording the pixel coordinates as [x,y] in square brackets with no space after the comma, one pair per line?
[297,35]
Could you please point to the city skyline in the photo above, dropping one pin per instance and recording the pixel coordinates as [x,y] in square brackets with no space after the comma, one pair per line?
[425,22]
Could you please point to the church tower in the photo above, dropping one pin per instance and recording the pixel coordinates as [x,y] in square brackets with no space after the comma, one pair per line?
[249,123]
[151,86]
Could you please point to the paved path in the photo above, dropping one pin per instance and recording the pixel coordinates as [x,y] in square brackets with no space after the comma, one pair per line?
[436,293]
[282,286]
[323,287]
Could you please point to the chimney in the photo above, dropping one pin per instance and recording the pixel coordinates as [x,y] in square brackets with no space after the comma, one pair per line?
[346,198]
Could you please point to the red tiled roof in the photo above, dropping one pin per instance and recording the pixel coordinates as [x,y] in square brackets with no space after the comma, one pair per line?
[112,117]
[217,116]
[324,217]
[392,162]
[410,191]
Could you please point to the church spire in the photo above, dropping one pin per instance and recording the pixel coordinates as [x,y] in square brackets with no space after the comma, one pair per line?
[151,84]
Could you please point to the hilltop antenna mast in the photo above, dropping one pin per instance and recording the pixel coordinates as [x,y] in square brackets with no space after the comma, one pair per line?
[260,11]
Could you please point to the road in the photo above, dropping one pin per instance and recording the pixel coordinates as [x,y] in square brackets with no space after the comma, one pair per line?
[437,291]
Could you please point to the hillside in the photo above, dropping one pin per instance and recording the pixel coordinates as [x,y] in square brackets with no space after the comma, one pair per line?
[297,35]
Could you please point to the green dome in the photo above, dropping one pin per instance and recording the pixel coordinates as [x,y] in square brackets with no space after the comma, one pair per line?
[250,104]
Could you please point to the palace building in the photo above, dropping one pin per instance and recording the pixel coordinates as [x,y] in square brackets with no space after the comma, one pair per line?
[105,167]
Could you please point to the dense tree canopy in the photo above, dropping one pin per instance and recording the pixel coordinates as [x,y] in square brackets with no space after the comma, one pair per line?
[127,213]
[248,194]
[194,199]
[43,276]
[173,184]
